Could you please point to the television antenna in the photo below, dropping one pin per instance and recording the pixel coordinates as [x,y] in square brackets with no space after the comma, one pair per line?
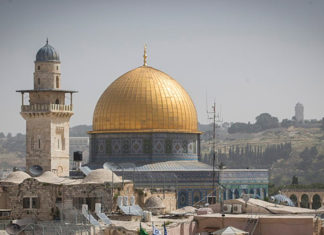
[216,118]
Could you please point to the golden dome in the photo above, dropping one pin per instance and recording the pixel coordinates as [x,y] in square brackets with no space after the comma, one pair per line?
[145,100]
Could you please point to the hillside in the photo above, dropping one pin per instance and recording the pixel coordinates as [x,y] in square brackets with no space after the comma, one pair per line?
[303,155]
[285,151]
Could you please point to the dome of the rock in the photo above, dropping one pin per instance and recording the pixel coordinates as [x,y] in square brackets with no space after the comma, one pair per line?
[145,100]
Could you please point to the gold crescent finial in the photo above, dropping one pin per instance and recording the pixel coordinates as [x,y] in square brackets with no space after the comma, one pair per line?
[145,56]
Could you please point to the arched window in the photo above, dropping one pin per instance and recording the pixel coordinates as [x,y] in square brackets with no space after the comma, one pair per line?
[57,101]
[304,201]
[56,67]
[293,197]
[39,144]
[38,67]
[38,81]
[316,202]
[236,194]
[57,82]
[32,143]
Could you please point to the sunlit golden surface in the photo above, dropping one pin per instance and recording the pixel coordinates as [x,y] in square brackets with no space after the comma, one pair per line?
[145,100]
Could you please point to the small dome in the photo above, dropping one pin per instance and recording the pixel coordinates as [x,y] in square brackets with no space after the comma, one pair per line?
[154,202]
[17,177]
[47,53]
[48,177]
[101,176]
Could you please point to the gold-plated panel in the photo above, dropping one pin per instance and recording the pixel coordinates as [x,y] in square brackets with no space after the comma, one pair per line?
[145,100]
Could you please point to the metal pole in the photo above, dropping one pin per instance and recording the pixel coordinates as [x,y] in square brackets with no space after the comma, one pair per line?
[163,186]
[134,177]
[213,149]
[22,98]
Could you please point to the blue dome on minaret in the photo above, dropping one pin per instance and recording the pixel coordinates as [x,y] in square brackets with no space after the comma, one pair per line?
[47,53]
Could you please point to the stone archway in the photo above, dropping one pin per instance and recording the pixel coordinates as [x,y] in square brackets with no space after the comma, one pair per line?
[230,194]
[251,192]
[294,199]
[316,201]
[196,196]
[304,202]
[236,194]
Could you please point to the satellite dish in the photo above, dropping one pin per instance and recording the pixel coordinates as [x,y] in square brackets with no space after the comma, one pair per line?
[107,166]
[36,170]
[24,221]
[13,228]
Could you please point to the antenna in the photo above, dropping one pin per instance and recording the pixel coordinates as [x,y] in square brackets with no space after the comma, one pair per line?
[215,118]
[207,104]
[36,170]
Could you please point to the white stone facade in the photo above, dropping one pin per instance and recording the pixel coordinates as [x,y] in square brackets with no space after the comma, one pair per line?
[47,120]
[47,75]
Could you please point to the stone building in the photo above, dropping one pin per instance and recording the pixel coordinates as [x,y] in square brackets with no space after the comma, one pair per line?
[49,197]
[47,116]
[145,129]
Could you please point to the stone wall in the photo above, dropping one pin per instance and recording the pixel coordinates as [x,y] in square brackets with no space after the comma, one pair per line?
[3,199]
[45,75]
[47,143]
[51,198]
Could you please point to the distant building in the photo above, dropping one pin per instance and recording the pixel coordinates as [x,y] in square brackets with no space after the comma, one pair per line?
[299,112]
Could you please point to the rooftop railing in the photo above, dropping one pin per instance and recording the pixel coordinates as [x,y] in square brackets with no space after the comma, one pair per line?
[46,108]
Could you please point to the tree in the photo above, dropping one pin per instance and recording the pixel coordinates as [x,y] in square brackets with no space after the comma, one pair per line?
[266,121]
[2,135]
[294,180]
[9,135]
[286,123]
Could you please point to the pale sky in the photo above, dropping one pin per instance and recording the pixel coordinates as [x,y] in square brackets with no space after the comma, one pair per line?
[251,56]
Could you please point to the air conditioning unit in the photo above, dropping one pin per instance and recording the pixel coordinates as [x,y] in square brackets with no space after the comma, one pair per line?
[227,208]
[237,209]
[120,200]
[125,201]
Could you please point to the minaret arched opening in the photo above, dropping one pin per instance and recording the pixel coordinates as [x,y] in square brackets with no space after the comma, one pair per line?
[57,82]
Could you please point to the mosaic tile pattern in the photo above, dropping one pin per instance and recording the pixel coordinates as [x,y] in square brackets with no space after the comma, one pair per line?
[175,146]
[137,146]
[116,146]
[158,146]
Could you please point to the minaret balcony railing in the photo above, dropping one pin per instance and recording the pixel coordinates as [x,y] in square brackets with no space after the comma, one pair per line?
[46,108]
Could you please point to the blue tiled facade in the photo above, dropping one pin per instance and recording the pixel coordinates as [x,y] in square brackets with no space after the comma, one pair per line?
[143,148]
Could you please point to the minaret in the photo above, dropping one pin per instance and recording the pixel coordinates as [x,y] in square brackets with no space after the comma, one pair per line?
[47,116]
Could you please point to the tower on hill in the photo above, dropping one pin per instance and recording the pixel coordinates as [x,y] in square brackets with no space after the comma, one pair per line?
[47,116]
[299,113]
